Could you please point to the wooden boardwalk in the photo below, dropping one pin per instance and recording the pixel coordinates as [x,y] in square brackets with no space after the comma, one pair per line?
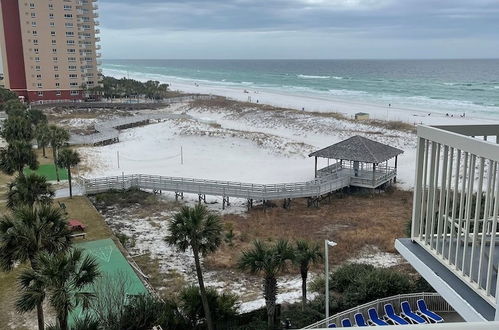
[250,191]
[313,190]
[108,131]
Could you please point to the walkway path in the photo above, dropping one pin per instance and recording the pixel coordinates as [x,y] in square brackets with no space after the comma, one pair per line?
[108,131]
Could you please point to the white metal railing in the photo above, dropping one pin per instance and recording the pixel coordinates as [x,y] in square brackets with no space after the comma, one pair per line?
[433,300]
[456,202]
[254,191]
[365,176]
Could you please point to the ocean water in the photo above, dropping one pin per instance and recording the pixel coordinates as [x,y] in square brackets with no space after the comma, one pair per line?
[453,86]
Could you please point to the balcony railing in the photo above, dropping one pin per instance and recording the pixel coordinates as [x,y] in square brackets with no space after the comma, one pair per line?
[456,202]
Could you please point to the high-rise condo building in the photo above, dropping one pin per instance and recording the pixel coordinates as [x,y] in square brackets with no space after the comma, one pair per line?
[49,48]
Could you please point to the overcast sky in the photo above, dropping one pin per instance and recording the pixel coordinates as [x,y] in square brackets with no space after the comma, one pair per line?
[299,28]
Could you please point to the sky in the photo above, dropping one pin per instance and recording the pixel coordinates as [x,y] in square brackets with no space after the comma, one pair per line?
[299,29]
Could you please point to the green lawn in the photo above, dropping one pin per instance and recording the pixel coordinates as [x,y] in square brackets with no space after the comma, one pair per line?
[48,171]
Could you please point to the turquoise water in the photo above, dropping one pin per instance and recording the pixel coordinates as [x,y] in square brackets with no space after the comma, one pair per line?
[470,86]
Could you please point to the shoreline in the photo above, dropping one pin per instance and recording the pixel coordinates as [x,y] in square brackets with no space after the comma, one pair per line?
[316,103]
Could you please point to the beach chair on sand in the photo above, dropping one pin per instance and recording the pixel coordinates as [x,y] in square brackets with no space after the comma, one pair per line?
[409,315]
[374,319]
[345,323]
[427,314]
[393,317]
[360,321]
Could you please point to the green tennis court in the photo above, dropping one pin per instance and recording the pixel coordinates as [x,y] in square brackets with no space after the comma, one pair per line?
[48,171]
[111,263]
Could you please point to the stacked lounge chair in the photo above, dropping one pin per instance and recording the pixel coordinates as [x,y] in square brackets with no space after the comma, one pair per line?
[394,317]
[409,315]
[345,323]
[424,312]
[360,321]
[374,319]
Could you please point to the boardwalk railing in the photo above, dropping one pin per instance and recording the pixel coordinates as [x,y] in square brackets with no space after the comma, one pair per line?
[433,300]
[253,191]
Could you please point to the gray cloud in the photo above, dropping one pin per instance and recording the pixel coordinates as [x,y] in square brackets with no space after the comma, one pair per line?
[345,19]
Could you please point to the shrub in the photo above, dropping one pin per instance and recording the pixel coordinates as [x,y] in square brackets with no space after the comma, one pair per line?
[223,306]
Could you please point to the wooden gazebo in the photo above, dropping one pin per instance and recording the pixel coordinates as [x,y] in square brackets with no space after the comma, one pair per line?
[364,160]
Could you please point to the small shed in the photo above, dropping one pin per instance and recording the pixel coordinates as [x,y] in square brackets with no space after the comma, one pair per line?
[361,116]
[367,162]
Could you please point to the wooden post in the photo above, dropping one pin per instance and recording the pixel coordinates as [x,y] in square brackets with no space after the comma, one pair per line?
[395,178]
[374,174]
[316,166]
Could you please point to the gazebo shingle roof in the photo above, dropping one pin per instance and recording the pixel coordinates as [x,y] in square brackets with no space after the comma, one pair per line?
[358,148]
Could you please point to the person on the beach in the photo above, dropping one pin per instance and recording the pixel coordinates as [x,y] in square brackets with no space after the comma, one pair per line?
[389,105]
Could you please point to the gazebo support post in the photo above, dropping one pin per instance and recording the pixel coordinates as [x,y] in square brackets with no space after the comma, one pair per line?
[395,178]
[315,167]
[374,175]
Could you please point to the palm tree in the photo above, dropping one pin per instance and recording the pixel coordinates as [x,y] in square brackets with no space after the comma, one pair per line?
[29,190]
[16,156]
[269,261]
[67,159]
[306,253]
[28,232]
[17,127]
[200,230]
[42,135]
[63,276]
[58,137]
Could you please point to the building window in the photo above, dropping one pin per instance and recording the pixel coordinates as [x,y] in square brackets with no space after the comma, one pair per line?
[33,15]
[35,41]
[54,50]
[56,76]
[72,68]
[72,59]
[70,42]
[38,76]
[58,93]
[69,25]
[70,34]
[39,85]
[51,6]
[54,58]
[73,76]
[33,24]
[35,32]
[40,93]
[37,68]
[37,59]
[67,7]
[71,50]
[56,68]
[54,42]
[57,85]
[31,5]
[68,16]
[36,50]
[52,33]
[90,83]
[52,24]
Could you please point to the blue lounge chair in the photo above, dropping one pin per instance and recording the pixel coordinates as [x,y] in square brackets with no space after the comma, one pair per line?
[427,314]
[360,321]
[390,313]
[331,325]
[345,323]
[374,318]
[409,315]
